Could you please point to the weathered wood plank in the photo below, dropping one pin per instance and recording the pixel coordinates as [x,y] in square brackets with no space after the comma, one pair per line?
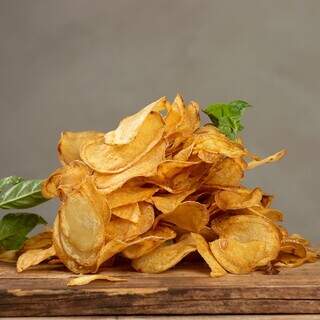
[183,290]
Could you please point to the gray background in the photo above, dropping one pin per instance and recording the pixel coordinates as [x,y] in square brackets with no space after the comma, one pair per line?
[78,65]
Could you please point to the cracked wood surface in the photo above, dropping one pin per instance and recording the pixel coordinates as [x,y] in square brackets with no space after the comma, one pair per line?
[184,290]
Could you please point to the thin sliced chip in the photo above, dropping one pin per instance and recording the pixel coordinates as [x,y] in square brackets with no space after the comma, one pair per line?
[65,179]
[153,239]
[210,139]
[9,256]
[292,261]
[83,280]
[272,214]
[226,173]
[169,168]
[129,195]
[125,230]
[206,254]
[166,203]
[235,256]
[71,142]
[184,154]
[42,240]
[129,127]
[130,212]
[146,167]
[273,158]
[190,216]
[34,257]
[165,257]
[238,198]
[246,228]
[106,158]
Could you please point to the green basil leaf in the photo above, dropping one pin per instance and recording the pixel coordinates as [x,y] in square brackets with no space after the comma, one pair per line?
[227,116]
[25,194]
[9,181]
[14,228]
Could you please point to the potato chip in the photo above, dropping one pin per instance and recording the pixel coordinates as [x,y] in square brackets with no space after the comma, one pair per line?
[206,254]
[246,228]
[210,139]
[34,257]
[129,127]
[184,154]
[65,179]
[106,158]
[165,257]
[169,168]
[190,216]
[226,173]
[71,142]
[42,240]
[168,202]
[153,239]
[125,230]
[272,214]
[9,256]
[146,167]
[235,256]
[130,212]
[238,198]
[129,195]
[83,280]
[273,158]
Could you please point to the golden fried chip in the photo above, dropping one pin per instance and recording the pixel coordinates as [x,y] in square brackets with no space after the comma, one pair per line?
[206,254]
[168,202]
[272,214]
[238,198]
[184,154]
[226,173]
[169,168]
[246,228]
[152,240]
[129,127]
[125,230]
[42,240]
[235,256]
[190,216]
[9,256]
[83,280]
[165,257]
[71,142]
[34,257]
[273,158]
[146,167]
[130,212]
[65,179]
[129,195]
[106,158]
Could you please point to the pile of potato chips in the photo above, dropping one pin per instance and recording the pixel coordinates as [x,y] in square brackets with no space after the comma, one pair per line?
[154,190]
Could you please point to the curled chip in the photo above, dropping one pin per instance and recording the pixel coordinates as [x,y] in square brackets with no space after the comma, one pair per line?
[71,142]
[65,179]
[238,198]
[125,230]
[80,229]
[83,280]
[150,241]
[248,228]
[34,257]
[273,158]
[130,212]
[105,158]
[166,256]
[129,127]
[190,216]
[42,240]
[146,167]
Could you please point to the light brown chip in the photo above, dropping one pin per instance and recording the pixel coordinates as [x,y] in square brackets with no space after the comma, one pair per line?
[238,198]
[273,158]
[42,240]
[129,127]
[34,257]
[130,212]
[71,142]
[206,254]
[165,257]
[83,280]
[146,167]
[9,256]
[190,216]
[109,159]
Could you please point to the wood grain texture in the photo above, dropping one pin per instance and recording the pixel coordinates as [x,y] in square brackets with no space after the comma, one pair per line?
[183,290]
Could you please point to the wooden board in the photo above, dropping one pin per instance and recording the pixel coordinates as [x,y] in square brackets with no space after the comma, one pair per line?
[183,290]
